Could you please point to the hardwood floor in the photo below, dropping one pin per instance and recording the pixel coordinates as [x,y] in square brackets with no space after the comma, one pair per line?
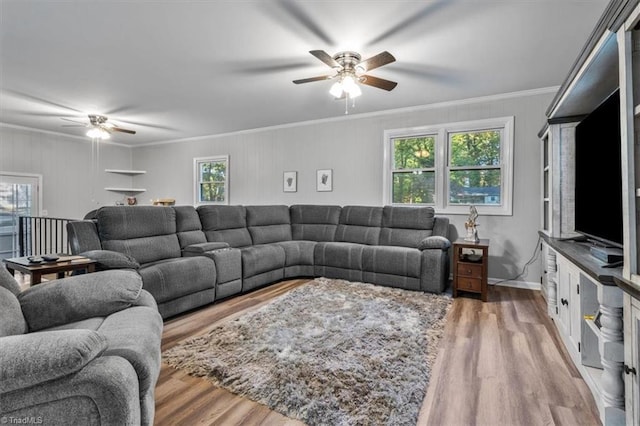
[500,363]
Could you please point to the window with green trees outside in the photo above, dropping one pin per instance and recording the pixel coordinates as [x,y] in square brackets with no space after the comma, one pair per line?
[211,176]
[451,166]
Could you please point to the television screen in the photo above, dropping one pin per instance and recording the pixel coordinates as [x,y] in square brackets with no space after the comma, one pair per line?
[598,184]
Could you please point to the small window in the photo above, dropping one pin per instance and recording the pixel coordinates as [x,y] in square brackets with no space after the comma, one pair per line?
[211,176]
[474,167]
[413,170]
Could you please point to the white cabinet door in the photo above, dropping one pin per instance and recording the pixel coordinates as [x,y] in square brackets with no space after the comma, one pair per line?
[569,304]
[632,359]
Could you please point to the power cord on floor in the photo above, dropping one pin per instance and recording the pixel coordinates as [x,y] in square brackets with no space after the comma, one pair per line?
[534,256]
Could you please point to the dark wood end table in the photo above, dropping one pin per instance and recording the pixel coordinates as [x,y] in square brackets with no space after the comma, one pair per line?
[65,263]
[470,270]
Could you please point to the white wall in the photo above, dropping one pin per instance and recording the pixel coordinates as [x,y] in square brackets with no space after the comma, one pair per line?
[66,168]
[353,147]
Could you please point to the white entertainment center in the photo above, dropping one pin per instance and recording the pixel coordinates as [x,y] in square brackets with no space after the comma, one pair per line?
[592,294]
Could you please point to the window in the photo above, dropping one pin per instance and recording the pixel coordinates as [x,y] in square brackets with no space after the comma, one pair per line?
[451,166]
[211,176]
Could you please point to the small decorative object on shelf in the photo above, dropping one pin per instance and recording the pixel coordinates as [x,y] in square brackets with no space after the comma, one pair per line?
[132,201]
[471,225]
[163,202]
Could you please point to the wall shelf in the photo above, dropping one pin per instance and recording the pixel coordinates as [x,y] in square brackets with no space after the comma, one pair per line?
[126,172]
[126,190]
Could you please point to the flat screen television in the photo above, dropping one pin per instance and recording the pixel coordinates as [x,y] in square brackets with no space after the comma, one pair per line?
[598,184]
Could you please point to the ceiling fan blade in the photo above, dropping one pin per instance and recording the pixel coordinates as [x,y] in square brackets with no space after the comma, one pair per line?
[74,121]
[325,57]
[309,80]
[380,83]
[377,61]
[73,125]
[120,129]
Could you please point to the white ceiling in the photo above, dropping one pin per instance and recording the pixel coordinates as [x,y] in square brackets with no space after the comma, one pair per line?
[174,69]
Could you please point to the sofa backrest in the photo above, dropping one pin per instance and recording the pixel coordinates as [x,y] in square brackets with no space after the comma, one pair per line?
[188,226]
[359,224]
[406,226]
[268,224]
[225,224]
[148,233]
[314,222]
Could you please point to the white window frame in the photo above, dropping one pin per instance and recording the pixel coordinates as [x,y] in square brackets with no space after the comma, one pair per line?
[196,179]
[442,131]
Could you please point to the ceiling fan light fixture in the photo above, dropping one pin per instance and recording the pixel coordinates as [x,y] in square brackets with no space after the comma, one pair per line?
[350,86]
[98,133]
[347,86]
[336,89]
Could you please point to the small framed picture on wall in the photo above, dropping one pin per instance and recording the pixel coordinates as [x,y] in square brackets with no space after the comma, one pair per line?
[324,180]
[290,182]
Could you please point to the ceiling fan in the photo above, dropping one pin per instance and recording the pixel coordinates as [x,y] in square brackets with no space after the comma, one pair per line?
[99,127]
[349,70]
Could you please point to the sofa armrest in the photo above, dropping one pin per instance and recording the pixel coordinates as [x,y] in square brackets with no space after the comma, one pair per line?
[83,236]
[109,259]
[30,359]
[106,386]
[201,248]
[79,297]
[434,242]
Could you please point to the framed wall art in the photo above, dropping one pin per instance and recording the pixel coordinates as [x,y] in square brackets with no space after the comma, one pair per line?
[324,180]
[290,182]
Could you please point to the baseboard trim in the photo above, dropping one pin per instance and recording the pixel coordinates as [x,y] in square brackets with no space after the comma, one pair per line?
[515,284]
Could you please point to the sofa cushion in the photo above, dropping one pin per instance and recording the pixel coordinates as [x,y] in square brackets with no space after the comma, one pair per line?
[127,222]
[359,224]
[147,249]
[148,233]
[339,255]
[406,226]
[298,252]
[79,297]
[34,358]
[268,224]
[188,226]
[314,223]
[173,278]
[392,260]
[11,319]
[225,224]
[261,258]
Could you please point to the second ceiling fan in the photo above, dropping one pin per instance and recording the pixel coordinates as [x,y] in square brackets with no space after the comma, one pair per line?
[99,127]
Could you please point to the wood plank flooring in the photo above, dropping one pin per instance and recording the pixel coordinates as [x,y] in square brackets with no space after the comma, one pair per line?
[499,363]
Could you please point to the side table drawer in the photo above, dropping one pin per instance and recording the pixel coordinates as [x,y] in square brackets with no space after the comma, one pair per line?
[469,284]
[469,270]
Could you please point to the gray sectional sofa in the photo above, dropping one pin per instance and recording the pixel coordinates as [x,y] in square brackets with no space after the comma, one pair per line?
[189,257]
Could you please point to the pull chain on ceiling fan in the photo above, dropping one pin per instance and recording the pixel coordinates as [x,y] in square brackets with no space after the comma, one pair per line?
[351,71]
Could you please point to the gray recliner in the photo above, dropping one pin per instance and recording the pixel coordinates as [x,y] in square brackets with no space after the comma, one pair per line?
[80,350]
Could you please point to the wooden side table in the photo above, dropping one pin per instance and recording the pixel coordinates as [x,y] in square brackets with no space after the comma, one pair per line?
[59,267]
[470,264]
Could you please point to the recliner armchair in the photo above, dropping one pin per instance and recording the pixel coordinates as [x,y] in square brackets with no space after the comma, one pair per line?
[79,350]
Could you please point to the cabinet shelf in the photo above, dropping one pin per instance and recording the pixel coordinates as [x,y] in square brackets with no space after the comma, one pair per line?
[126,172]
